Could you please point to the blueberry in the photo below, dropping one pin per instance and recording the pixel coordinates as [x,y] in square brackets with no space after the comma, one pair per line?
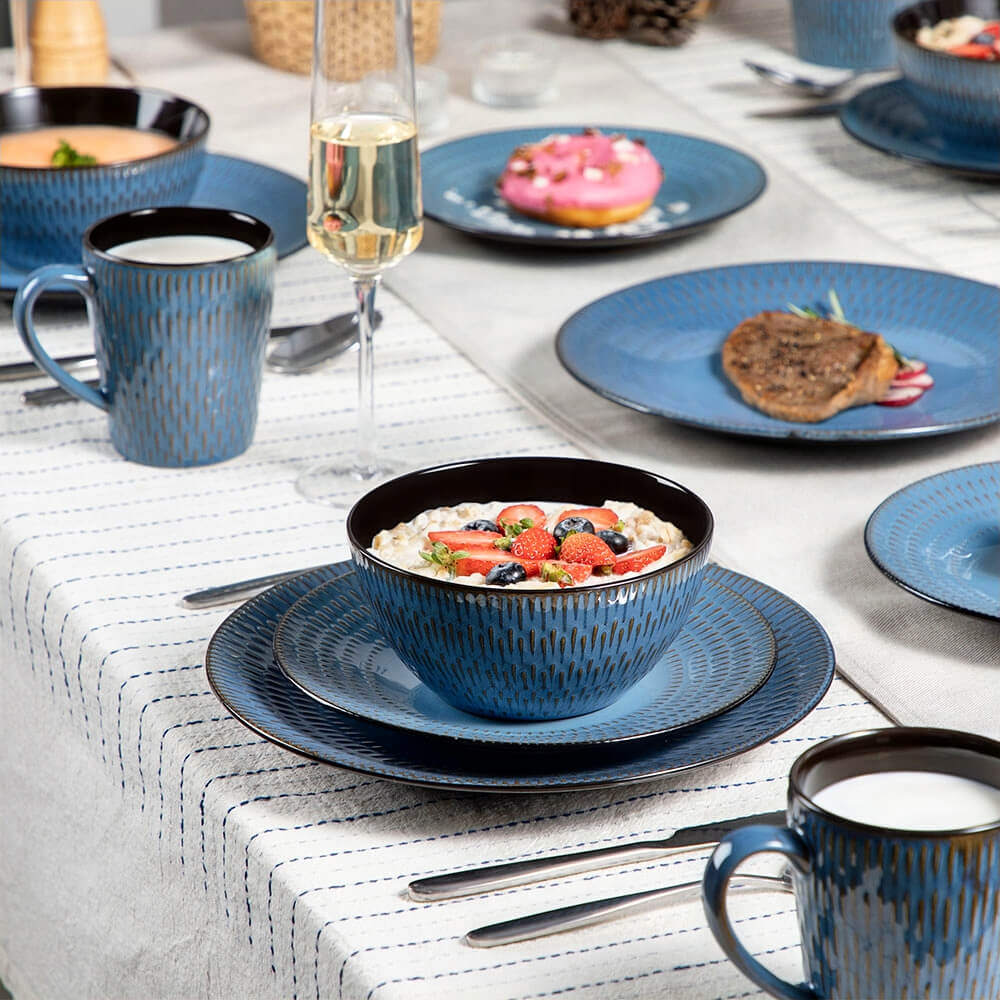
[504,574]
[481,525]
[568,524]
[617,542]
[984,39]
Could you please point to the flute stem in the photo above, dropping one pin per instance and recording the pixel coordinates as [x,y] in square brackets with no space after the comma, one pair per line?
[364,293]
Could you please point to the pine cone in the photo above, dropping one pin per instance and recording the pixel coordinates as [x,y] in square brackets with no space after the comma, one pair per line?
[662,22]
[600,18]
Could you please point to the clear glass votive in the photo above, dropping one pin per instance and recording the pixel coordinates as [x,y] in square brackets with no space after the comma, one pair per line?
[514,71]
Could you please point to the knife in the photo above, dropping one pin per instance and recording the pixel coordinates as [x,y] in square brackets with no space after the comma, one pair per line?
[598,911]
[493,877]
[230,592]
[54,394]
[28,369]
[801,111]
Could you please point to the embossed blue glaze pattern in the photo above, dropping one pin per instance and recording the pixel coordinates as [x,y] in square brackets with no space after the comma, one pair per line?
[855,34]
[887,118]
[242,671]
[44,211]
[704,183]
[940,538]
[274,197]
[549,655]
[882,912]
[961,97]
[327,645]
[655,346]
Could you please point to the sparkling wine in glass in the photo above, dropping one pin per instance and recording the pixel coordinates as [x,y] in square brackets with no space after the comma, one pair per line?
[365,211]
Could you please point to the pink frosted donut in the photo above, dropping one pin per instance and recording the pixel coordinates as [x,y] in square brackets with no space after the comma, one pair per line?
[585,180]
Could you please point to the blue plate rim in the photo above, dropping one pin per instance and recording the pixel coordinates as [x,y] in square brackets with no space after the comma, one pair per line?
[805,433]
[600,241]
[898,85]
[7,289]
[817,687]
[484,739]
[882,510]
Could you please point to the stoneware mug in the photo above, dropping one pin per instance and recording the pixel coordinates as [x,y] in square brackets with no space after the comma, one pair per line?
[180,346]
[853,34]
[896,877]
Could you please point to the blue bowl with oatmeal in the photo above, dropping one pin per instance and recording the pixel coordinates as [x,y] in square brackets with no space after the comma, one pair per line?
[552,643]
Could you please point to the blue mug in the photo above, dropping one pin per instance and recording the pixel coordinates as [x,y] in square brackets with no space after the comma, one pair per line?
[853,34]
[884,911]
[180,346]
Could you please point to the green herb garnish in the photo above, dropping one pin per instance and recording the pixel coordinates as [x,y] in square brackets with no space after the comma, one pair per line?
[554,574]
[67,156]
[836,310]
[441,555]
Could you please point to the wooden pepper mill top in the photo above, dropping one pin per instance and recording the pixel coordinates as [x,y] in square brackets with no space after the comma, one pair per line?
[69,43]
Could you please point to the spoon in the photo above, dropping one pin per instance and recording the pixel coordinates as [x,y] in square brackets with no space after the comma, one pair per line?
[803,85]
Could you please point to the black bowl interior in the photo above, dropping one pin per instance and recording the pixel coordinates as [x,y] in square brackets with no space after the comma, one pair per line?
[589,483]
[929,12]
[26,108]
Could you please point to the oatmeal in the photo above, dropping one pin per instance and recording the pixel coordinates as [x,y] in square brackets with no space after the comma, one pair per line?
[532,545]
[967,36]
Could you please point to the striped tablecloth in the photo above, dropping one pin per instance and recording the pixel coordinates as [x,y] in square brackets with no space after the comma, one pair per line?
[150,846]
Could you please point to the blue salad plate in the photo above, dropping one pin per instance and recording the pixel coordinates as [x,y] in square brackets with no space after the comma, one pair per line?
[704,182]
[887,118]
[228,182]
[245,675]
[655,347]
[939,538]
[329,646]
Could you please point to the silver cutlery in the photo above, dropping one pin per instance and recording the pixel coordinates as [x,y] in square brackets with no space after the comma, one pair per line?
[294,350]
[801,111]
[307,347]
[28,369]
[493,877]
[53,394]
[598,911]
[799,83]
[242,590]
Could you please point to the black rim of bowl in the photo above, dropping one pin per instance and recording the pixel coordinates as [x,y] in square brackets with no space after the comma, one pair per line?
[599,472]
[45,96]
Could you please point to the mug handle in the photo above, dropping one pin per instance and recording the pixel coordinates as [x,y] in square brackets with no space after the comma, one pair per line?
[731,851]
[24,305]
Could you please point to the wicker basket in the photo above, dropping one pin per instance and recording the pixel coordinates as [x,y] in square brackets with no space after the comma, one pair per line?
[282,33]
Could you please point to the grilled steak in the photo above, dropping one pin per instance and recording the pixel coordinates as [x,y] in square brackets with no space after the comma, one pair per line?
[806,369]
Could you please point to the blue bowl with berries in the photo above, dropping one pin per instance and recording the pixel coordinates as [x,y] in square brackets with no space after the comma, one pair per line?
[514,589]
[949,54]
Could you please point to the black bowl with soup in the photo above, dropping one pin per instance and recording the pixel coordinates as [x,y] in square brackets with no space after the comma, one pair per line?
[72,155]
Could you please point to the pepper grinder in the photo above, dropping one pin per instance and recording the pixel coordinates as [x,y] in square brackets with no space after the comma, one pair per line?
[69,43]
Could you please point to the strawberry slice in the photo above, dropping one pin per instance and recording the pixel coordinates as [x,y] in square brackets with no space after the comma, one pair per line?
[470,541]
[902,396]
[633,562]
[973,50]
[600,517]
[566,574]
[483,562]
[534,543]
[519,512]
[584,547]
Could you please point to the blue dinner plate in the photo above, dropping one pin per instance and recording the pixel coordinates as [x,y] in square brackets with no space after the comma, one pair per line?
[704,183]
[328,645]
[939,538]
[887,118]
[656,347]
[245,676]
[271,195]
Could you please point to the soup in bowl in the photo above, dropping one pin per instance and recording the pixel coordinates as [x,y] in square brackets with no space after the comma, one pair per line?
[70,156]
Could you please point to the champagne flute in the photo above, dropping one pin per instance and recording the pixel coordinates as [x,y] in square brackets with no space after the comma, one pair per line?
[365,212]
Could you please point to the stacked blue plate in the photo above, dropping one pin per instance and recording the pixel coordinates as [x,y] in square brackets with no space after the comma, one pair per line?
[780,663]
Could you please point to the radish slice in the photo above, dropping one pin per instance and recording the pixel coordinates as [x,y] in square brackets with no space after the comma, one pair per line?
[910,368]
[901,396]
[923,381]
